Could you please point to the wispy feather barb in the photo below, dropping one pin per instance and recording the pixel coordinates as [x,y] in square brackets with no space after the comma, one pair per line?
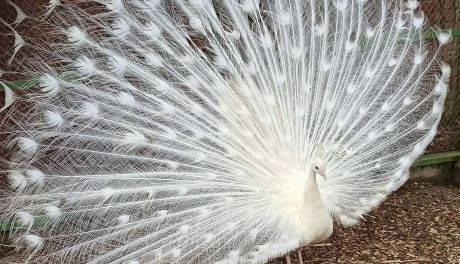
[165,131]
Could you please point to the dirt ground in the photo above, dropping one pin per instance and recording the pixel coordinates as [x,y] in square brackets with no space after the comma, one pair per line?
[420,223]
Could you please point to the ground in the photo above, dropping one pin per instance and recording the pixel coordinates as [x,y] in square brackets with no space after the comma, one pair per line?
[420,223]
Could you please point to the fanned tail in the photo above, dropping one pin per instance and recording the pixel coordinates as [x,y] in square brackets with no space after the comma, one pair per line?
[182,131]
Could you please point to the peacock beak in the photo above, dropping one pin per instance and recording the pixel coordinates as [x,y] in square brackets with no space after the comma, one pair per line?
[323,174]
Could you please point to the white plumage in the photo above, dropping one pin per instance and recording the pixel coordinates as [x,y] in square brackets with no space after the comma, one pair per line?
[164,131]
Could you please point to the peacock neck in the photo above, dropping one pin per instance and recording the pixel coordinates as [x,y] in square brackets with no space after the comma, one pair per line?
[317,222]
[312,195]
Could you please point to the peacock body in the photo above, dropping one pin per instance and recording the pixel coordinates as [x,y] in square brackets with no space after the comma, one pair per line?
[163,131]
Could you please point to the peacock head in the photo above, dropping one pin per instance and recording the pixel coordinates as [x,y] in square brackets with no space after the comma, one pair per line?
[319,167]
[318,164]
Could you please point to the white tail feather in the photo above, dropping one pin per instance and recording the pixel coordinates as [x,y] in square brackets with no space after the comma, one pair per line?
[214,131]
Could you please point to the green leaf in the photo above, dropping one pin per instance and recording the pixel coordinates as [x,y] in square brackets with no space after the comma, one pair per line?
[432,33]
[20,85]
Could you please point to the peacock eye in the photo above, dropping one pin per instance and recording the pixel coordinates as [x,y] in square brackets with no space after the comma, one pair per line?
[316,167]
